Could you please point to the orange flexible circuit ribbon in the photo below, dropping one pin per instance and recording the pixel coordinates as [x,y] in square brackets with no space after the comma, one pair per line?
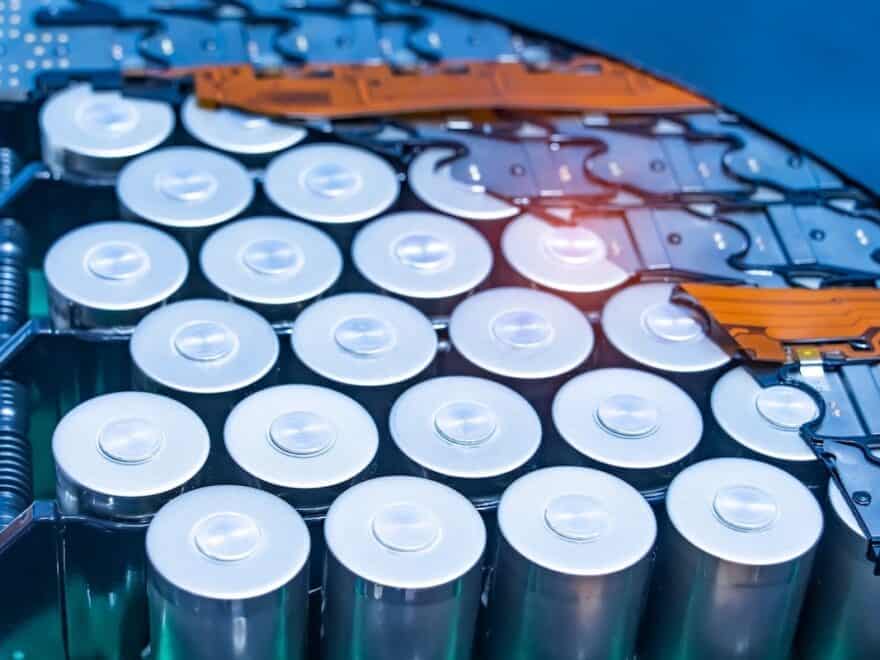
[791,325]
[347,91]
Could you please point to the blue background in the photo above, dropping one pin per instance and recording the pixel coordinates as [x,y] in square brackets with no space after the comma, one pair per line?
[807,71]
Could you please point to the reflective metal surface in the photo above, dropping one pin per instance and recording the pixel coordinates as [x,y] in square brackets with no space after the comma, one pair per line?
[734,563]
[89,135]
[638,426]
[303,443]
[331,183]
[111,273]
[751,421]
[121,456]
[520,333]
[569,258]
[427,259]
[105,592]
[642,324]
[403,573]
[227,577]
[238,132]
[470,433]
[572,568]
[274,265]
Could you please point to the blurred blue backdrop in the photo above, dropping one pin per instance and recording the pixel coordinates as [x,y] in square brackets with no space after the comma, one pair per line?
[806,70]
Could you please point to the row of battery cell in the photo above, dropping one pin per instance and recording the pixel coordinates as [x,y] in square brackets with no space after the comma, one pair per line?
[572,549]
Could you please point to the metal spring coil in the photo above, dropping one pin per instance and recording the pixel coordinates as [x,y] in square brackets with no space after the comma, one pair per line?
[16,476]
[13,277]
[10,164]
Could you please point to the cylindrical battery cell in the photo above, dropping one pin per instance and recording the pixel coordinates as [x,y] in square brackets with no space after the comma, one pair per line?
[527,339]
[335,185]
[642,328]
[571,260]
[839,619]
[572,569]
[751,421]
[427,259]
[733,565]
[305,444]
[118,459]
[473,434]
[186,190]
[121,456]
[101,276]
[209,355]
[227,577]
[274,265]
[111,274]
[253,137]
[88,135]
[403,572]
[368,346]
[631,423]
[430,178]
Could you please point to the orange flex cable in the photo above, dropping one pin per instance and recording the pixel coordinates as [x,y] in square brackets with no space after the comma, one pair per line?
[347,91]
[779,325]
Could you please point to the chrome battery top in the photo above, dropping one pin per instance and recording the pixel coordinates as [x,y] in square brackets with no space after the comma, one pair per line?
[472,433]
[184,188]
[299,440]
[204,347]
[521,333]
[405,533]
[764,423]
[364,339]
[238,132]
[636,425]
[744,512]
[428,259]
[752,529]
[112,273]
[643,325]
[121,456]
[642,328]
[839,617]
[577,521]
[270,263]
[403,574]
[568,258]
[88,135]
[528,339]
[227,570]
[331,183]
[432,182]
[572,569]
